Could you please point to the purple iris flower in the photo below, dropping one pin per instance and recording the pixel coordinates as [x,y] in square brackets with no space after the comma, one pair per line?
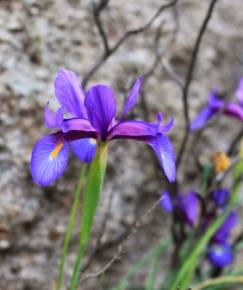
[188,205]
[223,233]
[91,119]
[220,196]
[220,255]
[215,104]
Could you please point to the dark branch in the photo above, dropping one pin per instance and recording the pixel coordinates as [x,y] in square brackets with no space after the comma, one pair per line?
[189,77]
[109,51]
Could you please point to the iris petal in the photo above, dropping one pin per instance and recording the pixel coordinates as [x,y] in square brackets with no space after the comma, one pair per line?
[76,124]
[49,159]
[69,93]
[220,255]
[189,204]
[100,102]
[133,130]
[166,202]
[165,128]
[131,100]
[224,231]
[201,119]
[165,153]
[239,92]
[84,149]
[53,120]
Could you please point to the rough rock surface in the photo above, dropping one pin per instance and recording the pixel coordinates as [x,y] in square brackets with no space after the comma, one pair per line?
[39,37]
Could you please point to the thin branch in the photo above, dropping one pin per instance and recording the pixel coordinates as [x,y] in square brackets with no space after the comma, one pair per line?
[109,51]
[235,142]
[121,246]
[189,78]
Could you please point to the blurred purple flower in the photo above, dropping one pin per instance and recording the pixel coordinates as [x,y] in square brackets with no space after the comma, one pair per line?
[220,196]
[220,255]
[223,233]
[93,118]
[188,205]
[166,202]
[216,104]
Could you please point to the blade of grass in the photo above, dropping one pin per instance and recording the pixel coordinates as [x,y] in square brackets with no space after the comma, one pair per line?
[219,281]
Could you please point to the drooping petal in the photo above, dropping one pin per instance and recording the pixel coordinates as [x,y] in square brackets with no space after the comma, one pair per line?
[84,149]
[166,202]
[49,159]
[164,151]
[133,130]
[100,102]
[189,204]
[131,100]
[234,110]
[69,93]
[239,91]
[220,196]
[223,233]
[53,120]
[220,255]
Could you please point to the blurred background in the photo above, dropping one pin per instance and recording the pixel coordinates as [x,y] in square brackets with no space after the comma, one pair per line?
[39,37]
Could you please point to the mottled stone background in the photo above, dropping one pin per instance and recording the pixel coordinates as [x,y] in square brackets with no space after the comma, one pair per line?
[39,37]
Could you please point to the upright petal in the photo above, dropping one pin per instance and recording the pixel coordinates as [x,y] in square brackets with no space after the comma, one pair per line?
[166,202]
[133,130]
[69,93]
[165,153]
[167,127]
[189,204]
[100,102]
[131,100]
[220,255]
[239,92]
[76,124]
[53,120]
[49,159]
[84,149]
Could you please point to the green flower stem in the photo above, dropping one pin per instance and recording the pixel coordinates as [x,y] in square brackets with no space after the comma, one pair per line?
[70,225]
[218,281]
[186,272]
[90,201]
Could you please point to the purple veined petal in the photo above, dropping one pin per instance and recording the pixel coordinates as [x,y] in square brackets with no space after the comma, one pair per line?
[76,124]
[220,196]
[131,100]
[133,130]
[239,92]
[70,94]
[53,120]
[167,127]
[220,255]
[84,149]
[49,159]
[100,103]
[223,233]
[189,204]
[164,151]
[166,202]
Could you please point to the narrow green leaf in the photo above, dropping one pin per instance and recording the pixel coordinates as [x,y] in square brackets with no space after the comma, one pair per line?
[219,281]
[69,229]
[90,201]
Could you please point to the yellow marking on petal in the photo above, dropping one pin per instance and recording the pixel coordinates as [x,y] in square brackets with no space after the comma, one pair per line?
[92,141]
[221,162]
[56,150]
